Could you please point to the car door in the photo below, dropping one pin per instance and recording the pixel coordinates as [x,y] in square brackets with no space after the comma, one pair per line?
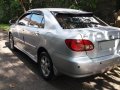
[19,32]
[32,33]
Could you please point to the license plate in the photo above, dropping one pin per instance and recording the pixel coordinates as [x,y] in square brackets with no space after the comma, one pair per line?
[106,45]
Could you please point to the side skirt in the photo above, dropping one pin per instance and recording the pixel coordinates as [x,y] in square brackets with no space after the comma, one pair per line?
[28,54]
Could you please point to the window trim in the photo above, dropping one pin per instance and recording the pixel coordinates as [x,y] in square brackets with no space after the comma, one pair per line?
[37,13]
[23,17]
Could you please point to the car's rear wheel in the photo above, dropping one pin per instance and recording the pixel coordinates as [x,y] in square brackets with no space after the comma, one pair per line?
[46,66]
[11,42]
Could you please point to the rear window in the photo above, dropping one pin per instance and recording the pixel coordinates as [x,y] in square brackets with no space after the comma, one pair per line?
[73,21]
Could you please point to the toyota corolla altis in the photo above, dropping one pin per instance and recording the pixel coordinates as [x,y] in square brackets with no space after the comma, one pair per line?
[69,41]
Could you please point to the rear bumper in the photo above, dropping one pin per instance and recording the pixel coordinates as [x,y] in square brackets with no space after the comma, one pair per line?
[84,66]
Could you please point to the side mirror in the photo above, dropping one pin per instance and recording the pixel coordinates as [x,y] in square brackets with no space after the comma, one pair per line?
[12,21]
[21,23]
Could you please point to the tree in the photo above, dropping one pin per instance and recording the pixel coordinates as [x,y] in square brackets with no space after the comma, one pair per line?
[26,4]
[22,4]
[117,5]
[8,9]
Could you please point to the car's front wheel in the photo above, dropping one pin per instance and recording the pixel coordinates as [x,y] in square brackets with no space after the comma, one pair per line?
[11,42]
[46,66]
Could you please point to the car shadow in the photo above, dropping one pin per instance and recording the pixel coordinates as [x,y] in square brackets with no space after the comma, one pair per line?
[95,82]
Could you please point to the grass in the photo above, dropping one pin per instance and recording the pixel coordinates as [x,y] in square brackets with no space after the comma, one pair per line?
[4,27]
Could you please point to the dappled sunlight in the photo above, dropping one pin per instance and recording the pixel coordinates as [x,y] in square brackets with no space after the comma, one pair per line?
[2,85]
[19,72]
[10,65]
[4,50]
[108,81]
[99,83]
[3,36]
[7,74]
[12,69]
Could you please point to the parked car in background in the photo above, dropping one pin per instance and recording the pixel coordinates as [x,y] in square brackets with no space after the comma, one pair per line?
[69,41]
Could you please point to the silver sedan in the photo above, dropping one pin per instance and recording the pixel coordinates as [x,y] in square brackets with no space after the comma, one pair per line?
[68,41]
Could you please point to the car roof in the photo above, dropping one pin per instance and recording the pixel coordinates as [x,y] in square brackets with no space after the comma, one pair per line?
[61,10]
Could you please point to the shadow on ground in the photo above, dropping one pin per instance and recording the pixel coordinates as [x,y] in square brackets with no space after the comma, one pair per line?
[108,80]
[19,72]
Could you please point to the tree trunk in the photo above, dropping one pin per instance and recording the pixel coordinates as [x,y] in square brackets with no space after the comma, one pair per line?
[22,4]
[76,2]
[30,4]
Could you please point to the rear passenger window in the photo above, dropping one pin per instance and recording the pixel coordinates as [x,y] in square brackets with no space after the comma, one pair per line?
[37,20]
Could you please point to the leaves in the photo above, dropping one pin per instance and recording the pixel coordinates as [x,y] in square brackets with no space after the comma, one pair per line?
[15,8]
[8,9]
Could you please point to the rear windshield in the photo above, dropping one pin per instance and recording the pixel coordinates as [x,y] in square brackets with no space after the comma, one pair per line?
[73,21]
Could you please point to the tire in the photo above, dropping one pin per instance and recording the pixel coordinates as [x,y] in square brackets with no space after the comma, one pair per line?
[11,42]
[46,66]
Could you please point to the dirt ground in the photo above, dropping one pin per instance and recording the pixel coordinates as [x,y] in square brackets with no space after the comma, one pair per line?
[19,72]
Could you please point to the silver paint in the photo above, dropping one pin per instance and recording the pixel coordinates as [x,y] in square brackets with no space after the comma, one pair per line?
[52,38]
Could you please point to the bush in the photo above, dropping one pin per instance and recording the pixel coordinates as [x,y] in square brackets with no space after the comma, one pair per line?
[9,9]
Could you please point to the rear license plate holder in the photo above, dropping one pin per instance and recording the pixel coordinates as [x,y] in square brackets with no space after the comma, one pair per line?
[103,45]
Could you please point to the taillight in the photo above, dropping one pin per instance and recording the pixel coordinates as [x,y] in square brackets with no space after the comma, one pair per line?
[79,44]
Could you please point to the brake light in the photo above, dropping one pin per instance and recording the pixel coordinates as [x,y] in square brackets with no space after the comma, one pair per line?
[79,44]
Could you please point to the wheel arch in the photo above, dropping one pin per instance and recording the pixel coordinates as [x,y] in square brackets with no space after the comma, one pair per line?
[40,50]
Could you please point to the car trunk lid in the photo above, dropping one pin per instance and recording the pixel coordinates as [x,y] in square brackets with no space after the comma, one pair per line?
[105,40]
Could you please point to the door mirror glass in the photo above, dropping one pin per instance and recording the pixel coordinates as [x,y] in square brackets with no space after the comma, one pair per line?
[12,21]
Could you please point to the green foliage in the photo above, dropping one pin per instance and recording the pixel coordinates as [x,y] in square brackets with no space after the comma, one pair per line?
[9,9]
[12,8]
[4,27]
[89,5]
[76,4]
